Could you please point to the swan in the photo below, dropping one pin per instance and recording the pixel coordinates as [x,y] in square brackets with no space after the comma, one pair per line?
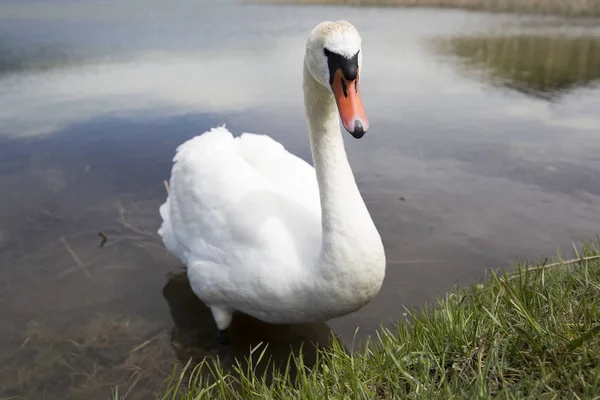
[259,229]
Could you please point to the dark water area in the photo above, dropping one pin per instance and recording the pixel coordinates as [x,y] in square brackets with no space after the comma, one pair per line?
[483,150]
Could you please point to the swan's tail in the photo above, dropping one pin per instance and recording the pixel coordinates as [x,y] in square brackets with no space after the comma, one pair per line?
[166,229]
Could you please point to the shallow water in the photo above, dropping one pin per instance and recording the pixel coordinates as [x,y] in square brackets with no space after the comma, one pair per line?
[483,149]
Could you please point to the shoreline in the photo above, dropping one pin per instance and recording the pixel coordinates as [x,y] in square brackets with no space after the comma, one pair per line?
[564,8]
[532,332]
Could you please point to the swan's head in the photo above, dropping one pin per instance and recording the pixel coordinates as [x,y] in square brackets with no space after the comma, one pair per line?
[334,57]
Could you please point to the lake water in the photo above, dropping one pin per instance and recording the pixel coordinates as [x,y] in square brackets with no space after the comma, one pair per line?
[484,149]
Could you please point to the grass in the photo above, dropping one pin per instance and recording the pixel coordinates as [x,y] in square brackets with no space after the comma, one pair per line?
[575,8]
[544,66]
[533,334]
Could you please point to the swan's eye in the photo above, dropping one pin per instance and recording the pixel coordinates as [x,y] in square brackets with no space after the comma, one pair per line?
[348,65]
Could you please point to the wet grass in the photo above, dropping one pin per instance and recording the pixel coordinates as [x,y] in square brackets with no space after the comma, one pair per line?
[532,334]
[577,8]
[85,360]
[544,66]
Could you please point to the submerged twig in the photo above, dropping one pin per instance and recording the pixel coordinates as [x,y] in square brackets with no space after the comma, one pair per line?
[80,265]
[133,203]
[137,379]
[52,214]
[552,265]
[25,342]
[122,219]
[104,238]
[146,246]
[154,334]
[146,343]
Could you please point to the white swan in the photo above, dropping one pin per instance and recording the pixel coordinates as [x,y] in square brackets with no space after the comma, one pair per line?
[263,232]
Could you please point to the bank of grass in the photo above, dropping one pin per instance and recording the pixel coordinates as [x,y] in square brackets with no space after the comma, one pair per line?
[534,334]
[577,8]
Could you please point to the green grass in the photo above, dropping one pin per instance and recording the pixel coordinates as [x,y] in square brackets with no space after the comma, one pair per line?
[534,334]
[575,8]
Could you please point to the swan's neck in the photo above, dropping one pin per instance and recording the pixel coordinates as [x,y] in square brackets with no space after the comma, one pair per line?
[351,246]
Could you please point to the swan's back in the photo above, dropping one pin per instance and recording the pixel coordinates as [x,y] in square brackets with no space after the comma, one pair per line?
[242,202]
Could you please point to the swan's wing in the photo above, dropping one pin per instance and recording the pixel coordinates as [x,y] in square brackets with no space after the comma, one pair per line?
[238,199]
[288,173]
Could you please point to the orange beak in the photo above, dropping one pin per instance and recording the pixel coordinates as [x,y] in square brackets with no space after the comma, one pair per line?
[350,104]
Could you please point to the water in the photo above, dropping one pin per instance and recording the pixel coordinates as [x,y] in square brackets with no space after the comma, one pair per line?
[483,149]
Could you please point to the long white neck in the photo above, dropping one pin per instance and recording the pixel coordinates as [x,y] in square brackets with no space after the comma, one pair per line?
[351,246]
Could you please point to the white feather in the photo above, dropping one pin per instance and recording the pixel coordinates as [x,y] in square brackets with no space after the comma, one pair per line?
[244,215]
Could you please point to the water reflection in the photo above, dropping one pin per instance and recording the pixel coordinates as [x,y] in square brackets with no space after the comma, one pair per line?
[80,319]
[194,333]
[542,66]
[42,57]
